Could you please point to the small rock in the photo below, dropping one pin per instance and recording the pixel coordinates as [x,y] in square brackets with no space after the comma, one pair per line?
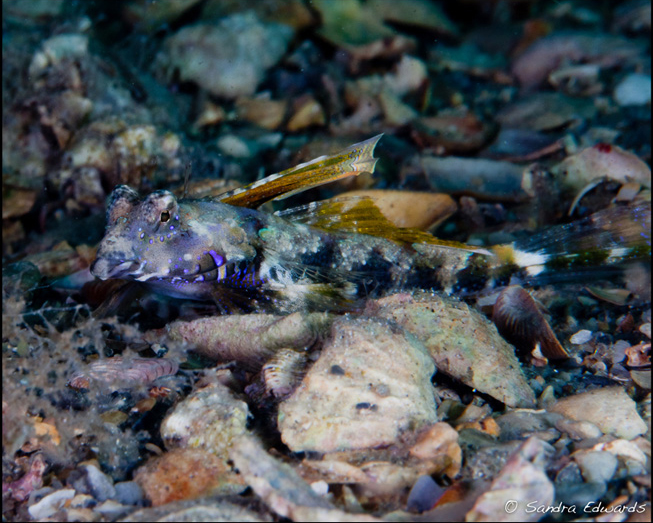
[186,474]
[308,112]
[439,439]
[220,338]
[582,336]
[205,509]
[477,176]
[264,112]
[99,485]
[424,494]
[569,474]
[128,493]
[523,480]
[609,408]
[578,430]
[602,161]
[50,504]
[635,89]
[579,495]
[369,385]
[596,466]
[233,145]
[230,58]
[210,418]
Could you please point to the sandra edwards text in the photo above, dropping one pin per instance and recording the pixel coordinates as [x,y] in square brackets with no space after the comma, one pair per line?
[592,507]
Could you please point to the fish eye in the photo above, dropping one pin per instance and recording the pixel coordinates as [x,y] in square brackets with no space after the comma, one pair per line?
[165,216]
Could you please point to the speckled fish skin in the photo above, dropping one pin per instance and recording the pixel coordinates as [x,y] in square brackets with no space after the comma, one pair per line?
[195,249]
[330,255]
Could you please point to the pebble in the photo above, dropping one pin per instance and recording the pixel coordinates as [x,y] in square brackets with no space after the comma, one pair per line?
[424,494]
[582,336]
[634,89]
[50,504]
[609,408]
[128,493]
[230,58]
[578,430]
[579,494]
[569,474]
[522,479]
[517,424]
[98,484]
[209,418]
[186,474]
[205,509]
[596,466]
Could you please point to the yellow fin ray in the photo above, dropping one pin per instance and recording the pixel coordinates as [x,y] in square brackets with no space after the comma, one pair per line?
[352,161]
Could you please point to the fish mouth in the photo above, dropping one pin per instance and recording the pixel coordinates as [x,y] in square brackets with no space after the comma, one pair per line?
[106,268]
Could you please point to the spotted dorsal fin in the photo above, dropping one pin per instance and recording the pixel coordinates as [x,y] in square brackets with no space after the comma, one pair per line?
[352,161]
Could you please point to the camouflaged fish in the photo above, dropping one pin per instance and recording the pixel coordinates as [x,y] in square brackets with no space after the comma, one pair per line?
[329,254]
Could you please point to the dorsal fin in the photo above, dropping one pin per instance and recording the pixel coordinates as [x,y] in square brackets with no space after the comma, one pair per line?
[352,161]
[361,215]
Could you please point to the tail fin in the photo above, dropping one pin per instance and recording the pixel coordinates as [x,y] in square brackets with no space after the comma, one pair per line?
[606,239]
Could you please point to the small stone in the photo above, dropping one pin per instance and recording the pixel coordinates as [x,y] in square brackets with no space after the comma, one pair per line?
[230,58]
[461,341]
[578,430]
[569,474]
[634,89]
[596,466]
[523,480]
[439,439]
[308,112]
[609,408]
[582,336]
[50,504]
[210,418]
[99,484]
[579,494]
[232,145]
[186,474]
[128,493]
[424,494]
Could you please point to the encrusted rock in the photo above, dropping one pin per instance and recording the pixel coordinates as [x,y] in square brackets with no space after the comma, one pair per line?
[369,385]
[210,418]
[186,474]
[463,344]
[610,408]
[228,59]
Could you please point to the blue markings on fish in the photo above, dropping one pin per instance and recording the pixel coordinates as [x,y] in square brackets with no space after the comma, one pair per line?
[331,254]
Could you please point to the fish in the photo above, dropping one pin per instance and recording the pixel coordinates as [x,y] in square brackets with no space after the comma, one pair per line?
[332,254]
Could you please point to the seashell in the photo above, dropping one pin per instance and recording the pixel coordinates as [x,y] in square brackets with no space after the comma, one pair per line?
[519,320]
[125,371]
[283,372]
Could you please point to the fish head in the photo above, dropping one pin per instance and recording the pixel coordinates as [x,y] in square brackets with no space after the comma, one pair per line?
[150,239]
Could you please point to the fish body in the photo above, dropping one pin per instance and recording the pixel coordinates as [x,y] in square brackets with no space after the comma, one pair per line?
[326,255]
